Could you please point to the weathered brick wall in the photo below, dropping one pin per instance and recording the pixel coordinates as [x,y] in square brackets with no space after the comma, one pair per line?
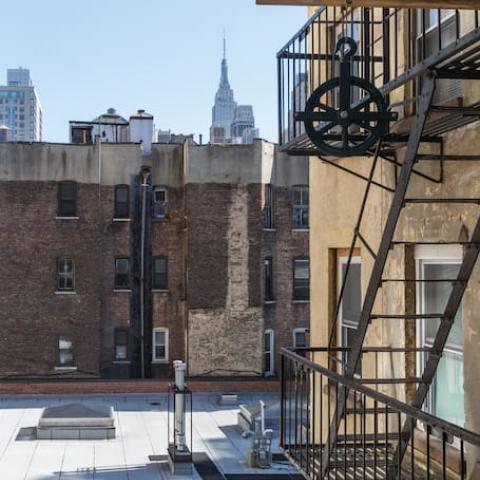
[168,307]
[224,329]
[283,244]
[31,314]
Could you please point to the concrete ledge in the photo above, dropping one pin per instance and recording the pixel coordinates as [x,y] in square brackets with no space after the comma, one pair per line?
[103,386]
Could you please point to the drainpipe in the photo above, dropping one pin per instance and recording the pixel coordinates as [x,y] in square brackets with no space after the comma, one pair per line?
[145,174]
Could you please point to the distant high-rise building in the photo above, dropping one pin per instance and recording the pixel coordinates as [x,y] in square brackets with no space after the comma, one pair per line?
[167,137]
[231,123]
[223,111]
[243,126]
[20,108]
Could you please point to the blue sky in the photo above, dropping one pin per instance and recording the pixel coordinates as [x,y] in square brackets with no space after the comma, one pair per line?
[161,55]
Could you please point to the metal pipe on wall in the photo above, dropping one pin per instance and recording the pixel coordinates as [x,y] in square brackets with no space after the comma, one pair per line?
[145,174]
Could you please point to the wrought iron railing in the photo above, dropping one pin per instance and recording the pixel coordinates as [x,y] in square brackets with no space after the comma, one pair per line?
[370,432]
[394,47]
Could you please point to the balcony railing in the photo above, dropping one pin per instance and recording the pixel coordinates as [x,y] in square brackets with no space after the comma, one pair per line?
[370,431]
[394,47]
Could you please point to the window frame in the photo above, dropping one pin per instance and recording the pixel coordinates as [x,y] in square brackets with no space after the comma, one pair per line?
[295,297]
[159,188]
[297,330]
[433,255]
[267,217]
[300,207]
[63,275]
[271,368]
[117,205]
[268,283]
[62,211]
[154,273]
[154,344]
[341,341]
[117,286]
[116,331]
[61,365]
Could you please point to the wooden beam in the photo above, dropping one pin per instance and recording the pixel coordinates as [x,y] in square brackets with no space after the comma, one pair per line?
[460,4]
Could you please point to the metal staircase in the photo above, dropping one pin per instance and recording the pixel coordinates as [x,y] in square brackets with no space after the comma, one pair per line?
[344,427]
[400,201]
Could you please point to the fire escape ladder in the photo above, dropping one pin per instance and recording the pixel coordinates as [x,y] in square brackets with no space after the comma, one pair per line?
[375,282]
[472,250]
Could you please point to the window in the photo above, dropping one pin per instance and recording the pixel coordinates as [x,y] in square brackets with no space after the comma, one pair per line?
[300,207]
[269,353]
[268,207]
[121,344]
[122,273]
[160,273]
[301,278]
[65,275]
[122,203]
[160,345]
[351,306]
[268,279]
[446,395]
[65,351]
[159,202]
[437,29]
[67,199]
[300,337]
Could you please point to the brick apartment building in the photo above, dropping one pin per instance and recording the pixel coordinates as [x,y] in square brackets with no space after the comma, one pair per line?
[114,263]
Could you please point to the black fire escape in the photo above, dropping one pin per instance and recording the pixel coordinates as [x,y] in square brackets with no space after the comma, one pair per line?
[336,423]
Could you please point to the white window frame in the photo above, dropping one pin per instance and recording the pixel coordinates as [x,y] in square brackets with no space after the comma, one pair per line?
[342,260]
[167,349]
[439,254]
[441,20]
[271,368]
[294,335]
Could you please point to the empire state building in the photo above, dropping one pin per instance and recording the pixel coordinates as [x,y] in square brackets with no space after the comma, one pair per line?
[223,112]
[231,123]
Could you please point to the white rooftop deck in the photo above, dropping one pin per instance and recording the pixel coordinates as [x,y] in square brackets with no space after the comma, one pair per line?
[141,433]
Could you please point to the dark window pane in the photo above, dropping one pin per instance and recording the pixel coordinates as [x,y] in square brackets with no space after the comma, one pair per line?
[122,273]
[268,279]
[268,207]
[160,273]
[300,207]
[67,199]
[121,344]
[122,207]
[301,279]
[159,203]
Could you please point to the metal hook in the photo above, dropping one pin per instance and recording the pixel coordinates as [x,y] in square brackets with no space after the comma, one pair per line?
[347,53]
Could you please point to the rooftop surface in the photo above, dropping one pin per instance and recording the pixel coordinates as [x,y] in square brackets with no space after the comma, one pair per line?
[139,450]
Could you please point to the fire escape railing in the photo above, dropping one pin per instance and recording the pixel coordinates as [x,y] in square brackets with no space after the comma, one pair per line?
[394,47]
[370,428]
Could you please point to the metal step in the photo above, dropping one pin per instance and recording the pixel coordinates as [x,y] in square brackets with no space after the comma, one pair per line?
[390,381]
[369,437]
[412,316]
[369,411]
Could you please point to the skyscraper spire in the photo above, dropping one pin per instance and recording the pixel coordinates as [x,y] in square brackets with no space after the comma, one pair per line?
[224,83]
[224,46]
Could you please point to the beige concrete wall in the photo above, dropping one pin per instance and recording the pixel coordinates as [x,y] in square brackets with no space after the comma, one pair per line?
[335,199]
